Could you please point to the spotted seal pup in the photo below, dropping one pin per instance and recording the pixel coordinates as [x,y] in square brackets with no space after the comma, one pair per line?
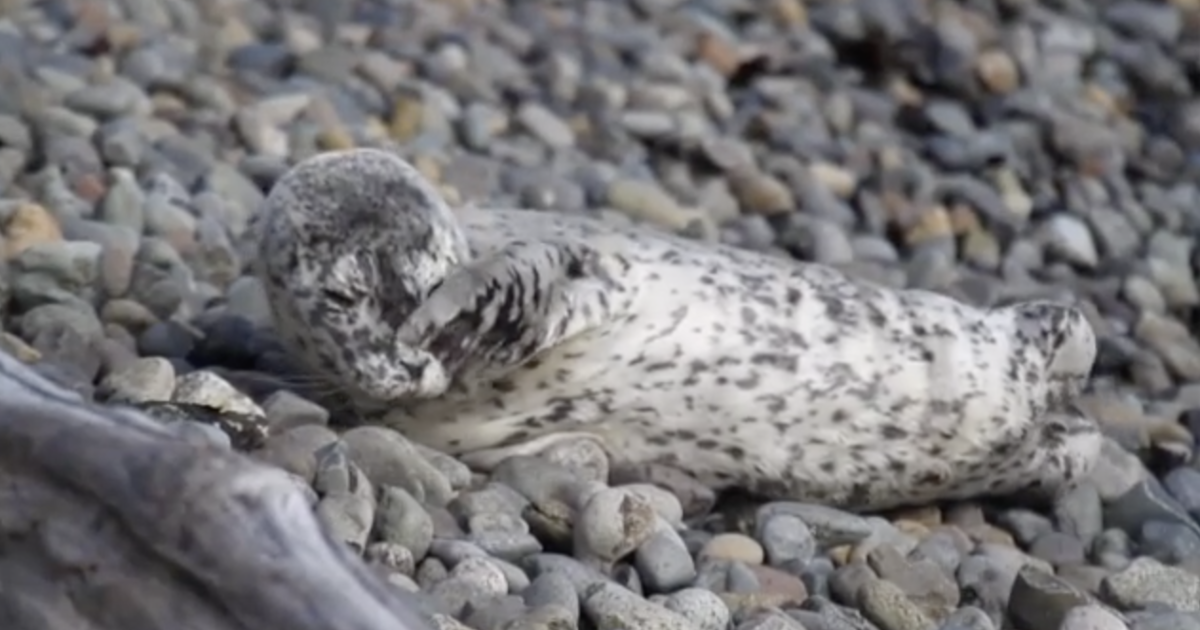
[486,333]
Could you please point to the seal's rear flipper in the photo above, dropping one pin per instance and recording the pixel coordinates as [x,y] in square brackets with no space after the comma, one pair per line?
[1065,451]
[496,313]
[1065,337]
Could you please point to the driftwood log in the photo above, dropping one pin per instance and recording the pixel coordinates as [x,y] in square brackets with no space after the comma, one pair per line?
[109,519]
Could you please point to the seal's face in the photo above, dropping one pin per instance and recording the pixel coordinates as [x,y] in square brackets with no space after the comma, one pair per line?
[348,318]
[351,243]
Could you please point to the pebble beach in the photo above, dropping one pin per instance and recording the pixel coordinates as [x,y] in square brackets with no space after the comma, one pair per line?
[991,150]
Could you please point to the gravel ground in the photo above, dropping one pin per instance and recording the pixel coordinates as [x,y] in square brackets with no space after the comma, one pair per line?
[993,150]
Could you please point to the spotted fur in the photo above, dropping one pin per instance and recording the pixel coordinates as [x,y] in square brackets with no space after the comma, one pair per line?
[487,333]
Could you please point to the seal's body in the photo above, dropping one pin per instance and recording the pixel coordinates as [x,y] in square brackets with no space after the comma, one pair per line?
[489,333]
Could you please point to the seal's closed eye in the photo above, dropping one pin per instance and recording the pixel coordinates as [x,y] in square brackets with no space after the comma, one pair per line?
[340,297]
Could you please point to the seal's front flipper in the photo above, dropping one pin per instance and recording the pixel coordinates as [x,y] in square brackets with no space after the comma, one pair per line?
[497,312]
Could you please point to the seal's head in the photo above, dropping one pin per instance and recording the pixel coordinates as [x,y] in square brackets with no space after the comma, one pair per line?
[350,242]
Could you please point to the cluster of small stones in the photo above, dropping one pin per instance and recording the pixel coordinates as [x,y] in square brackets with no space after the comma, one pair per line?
[990,149]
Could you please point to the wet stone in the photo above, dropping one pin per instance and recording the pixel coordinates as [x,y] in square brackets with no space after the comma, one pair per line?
[735,547]
[207,389]
[1080,513]
[613,523]
[1146,582]
[242,431]
[1092,617]
[1058,548]
[967,618]
[1171,543]
[346,507]
[885,604]
[663,562]
[388,459]
[400,519]
[1143,502]
[1183,484]
[830,527]
[610,607]
[1040,599]
[553,589]
[922,581]
[285,410]
[471,581]
[785,539]
[701,607]
[508,543]
[584,457]
[296,450]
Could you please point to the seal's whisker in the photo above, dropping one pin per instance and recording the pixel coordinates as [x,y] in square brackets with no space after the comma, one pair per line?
[318,386]
[304,379]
